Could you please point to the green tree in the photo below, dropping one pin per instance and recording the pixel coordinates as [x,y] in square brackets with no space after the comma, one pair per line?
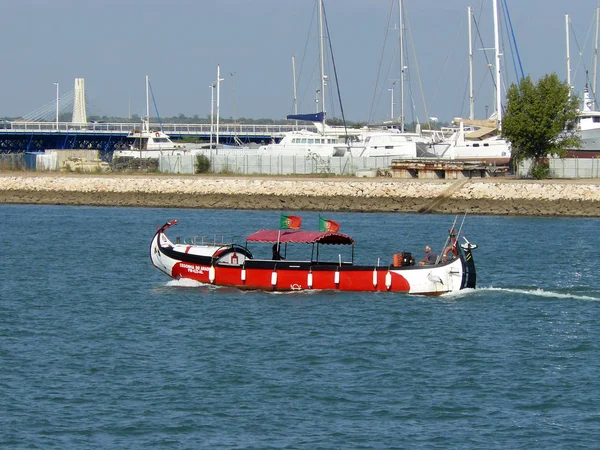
[540,121]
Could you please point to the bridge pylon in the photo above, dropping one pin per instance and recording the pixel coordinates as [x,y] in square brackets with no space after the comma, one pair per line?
[79,111]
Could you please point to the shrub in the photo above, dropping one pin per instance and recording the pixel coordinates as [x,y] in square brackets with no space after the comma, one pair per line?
[202,164]
[540,171]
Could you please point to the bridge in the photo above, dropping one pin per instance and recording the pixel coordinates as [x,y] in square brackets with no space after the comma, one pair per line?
[41,129]
[18,136]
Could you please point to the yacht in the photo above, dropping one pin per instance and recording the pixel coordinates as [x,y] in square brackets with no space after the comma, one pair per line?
[588,128]
[149,144]
[305,143]
[390,142]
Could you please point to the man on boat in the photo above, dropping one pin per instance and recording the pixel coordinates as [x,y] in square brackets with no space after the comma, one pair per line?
[276,255]
[430,257]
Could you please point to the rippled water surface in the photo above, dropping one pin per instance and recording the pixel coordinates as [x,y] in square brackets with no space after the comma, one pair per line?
[100,350]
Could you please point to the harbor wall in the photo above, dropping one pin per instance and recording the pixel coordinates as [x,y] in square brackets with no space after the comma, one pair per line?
[497,196]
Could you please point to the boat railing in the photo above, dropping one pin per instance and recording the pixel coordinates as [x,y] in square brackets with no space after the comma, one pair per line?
[208,241]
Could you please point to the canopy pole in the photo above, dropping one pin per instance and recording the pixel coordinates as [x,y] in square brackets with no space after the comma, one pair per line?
[278,240]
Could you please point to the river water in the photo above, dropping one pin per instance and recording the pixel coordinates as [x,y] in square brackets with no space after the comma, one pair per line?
[98,349]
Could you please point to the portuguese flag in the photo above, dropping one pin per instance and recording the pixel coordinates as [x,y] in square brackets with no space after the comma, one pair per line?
[328,225]
[290,222]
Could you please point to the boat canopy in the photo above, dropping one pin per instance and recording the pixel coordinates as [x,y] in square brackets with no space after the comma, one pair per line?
[300,236]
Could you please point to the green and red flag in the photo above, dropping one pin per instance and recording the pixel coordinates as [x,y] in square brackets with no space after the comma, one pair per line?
[328,225]
[290,222]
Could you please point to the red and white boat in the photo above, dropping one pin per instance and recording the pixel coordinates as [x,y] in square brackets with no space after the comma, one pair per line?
[229,264]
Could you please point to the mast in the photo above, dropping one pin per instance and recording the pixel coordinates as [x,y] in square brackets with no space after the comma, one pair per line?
[322,57]
[401,38]
[212,109]
[596,55]
[498,72]
[219,79]
[471,97]
[295,93]
[147,104]
[568,53]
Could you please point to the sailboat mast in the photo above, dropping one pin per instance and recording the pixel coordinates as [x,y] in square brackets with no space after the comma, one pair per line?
[322,56]
[219,79]
[596,55]
[295,93]
[401,39]
[471,97]
[498,72]
[568,53]
[147,104]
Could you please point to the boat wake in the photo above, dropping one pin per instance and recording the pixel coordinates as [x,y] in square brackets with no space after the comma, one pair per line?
[185,282]
[541,293]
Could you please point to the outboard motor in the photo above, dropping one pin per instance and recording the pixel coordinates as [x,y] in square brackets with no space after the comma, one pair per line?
[408,259]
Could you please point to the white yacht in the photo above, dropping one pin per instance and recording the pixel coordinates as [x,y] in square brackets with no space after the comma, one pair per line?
[149,144]
[304,143]
[588,128]
[389,142]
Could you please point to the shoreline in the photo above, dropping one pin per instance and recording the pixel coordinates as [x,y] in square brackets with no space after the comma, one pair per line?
[482,196]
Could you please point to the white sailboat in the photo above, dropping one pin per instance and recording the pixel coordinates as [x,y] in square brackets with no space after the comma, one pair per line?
[476,140]
[383,140]
[327,141]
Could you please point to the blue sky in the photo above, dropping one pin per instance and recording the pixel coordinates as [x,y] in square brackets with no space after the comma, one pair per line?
[114,44]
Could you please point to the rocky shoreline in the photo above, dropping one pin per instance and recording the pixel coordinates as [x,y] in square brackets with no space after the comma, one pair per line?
[491,196]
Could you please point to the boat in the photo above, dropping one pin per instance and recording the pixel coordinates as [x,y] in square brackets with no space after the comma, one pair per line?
[587,123]
[223,263]
[588,129]
[390,142]
[473,141]
[305,143]
[148,143]
[323,143]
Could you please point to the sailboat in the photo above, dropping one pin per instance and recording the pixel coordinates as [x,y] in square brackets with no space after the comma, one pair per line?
[478,140]
[327,141]
[148,143]
[386,140]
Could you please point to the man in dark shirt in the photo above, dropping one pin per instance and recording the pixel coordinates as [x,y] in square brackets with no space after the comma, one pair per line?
[430,257]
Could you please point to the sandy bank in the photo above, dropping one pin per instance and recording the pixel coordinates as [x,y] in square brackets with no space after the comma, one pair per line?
[498,196]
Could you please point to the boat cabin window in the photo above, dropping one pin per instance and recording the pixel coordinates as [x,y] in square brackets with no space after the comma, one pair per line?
[596,119]
[475,145]
[161,140]
[486,145]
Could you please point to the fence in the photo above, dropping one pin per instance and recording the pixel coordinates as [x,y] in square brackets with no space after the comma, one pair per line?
[250,164]
[566,168]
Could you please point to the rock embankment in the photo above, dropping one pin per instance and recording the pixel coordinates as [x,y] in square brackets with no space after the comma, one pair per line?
[478,196]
